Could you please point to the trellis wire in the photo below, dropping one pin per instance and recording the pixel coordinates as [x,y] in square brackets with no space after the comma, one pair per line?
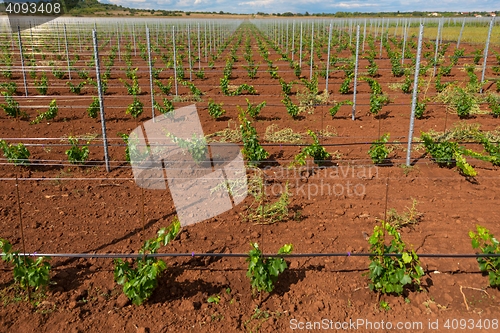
[245,255]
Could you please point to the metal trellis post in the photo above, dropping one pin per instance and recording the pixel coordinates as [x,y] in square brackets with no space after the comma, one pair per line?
[355,75]
[414,97]
[101,100]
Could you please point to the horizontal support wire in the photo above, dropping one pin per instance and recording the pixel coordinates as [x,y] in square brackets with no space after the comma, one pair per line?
[227,143]
[244,255]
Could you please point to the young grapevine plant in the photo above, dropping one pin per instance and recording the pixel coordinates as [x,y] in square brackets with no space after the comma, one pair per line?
[263,272]
[94,108]
[252,150]
[315,150]
[488,244]
[27,271]
[292,109]
[167,107]
[254,110]
[447,153]
[196,147]
[336,107]
[135,108]
[392,274]
[42,85]
[140,278]
[377,98]
[12,107]
[286,87]
[420,108]
[125,138]
[215,110]
[76,88]
[19,155]
[378,150]
[77,154]
[50,114]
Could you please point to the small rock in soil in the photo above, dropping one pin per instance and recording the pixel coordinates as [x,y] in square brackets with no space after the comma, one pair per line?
[142,330]
[186,305]
[318,305]
[433,306]
[122,301]
[57,289]
[82,293]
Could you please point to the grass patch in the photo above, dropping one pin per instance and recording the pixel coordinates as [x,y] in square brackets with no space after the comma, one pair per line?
[307,100]
[226,135]
[395,86]
[471,34]
[463,131]
[406,219]
[285,135]
[328,132]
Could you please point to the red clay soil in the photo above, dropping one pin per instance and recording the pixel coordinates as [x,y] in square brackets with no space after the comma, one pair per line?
[84,209]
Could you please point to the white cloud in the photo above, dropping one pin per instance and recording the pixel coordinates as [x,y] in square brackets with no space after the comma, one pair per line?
[354,5]
[259,3]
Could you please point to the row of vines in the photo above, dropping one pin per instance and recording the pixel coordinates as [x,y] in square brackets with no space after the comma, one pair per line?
[308,77]
[173,86]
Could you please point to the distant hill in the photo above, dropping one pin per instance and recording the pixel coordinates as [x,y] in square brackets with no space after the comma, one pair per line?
[94,7]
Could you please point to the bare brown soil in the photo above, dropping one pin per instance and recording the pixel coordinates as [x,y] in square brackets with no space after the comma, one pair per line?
[84,209]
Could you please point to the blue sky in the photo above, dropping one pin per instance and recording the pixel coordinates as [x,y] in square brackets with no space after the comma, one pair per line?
[312,6]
